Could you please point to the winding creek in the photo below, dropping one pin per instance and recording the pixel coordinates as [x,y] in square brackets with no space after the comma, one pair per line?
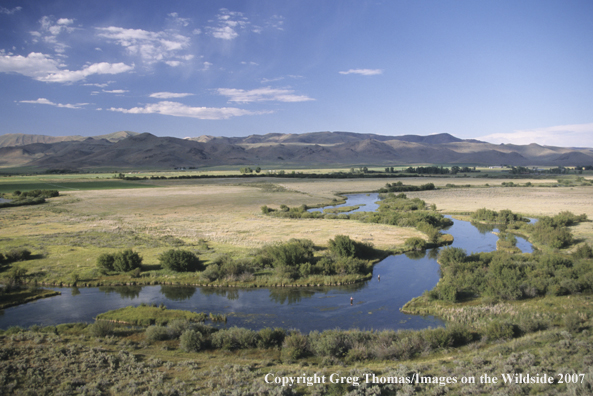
[376,303]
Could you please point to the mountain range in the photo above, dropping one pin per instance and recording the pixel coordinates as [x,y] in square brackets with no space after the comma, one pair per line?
[143,150]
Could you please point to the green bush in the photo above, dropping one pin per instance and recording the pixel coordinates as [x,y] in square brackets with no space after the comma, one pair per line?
[342,246]
[270,338]
[191,341]
[573,322]
[296,346]
[126,260]
[583,252]
[180,260]
[497,330]
[18,254]
[451,255]
[101,328]
[211,273]
[105,262]
[292,253]
[156,333]
[416,243]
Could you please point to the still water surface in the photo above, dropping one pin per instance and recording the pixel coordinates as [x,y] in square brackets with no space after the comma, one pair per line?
[376,303]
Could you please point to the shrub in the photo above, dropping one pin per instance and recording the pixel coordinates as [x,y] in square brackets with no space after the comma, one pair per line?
[416,243]
[331,343]
[573,322]
[451,255]
[126,260]
[270,338]
[105,262]
[177,327]
[191,341]
[583,252]
[295,346]
[211,273]
[156,333]
[180,260]
[342,246]
[292,253]
[497,330]
[234,338]
[101,328]
[18,254]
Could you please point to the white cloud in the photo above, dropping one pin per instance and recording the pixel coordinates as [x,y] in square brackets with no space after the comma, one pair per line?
[116,91]
[34,65]
[9,12]
[152,47]
[261,95]
[100,85]
[180,110]
[575,135]
[229,22]
[364,72]
[47,102]
[67,76]
[65,21]
[42,67]
[169,95]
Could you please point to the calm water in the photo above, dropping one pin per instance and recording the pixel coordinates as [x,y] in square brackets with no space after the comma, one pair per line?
[368,202]
[376,303]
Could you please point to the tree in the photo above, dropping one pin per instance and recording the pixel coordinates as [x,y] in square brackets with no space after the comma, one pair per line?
[180,260]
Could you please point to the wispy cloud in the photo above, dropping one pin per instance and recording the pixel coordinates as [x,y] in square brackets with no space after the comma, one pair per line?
[364,72]
[228,25]
[48,102]
[169,95]
[11,11]
[49,31]
[575,135]
[262,95]
[43,67]
[116,91]
[164,46]
[68,76]
[177,109]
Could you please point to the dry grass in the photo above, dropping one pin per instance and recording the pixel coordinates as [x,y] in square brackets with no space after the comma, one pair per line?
[218,212]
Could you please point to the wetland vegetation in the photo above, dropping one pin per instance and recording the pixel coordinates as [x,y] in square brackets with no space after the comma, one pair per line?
[505,312]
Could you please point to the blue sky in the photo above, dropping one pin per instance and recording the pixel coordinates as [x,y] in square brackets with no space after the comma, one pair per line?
[500,71]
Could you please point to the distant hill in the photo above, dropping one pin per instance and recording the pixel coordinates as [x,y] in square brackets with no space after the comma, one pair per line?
[21,139]
[130,149]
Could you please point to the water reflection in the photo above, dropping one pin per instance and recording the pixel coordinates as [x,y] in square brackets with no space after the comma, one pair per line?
[281,295]
[130,292]
[178,293]
[415,254]
[483,228]
[230,293]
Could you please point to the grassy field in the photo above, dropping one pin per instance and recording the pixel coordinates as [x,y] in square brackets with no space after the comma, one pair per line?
[67,234]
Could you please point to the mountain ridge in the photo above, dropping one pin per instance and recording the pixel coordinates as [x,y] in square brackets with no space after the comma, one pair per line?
[131,149]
